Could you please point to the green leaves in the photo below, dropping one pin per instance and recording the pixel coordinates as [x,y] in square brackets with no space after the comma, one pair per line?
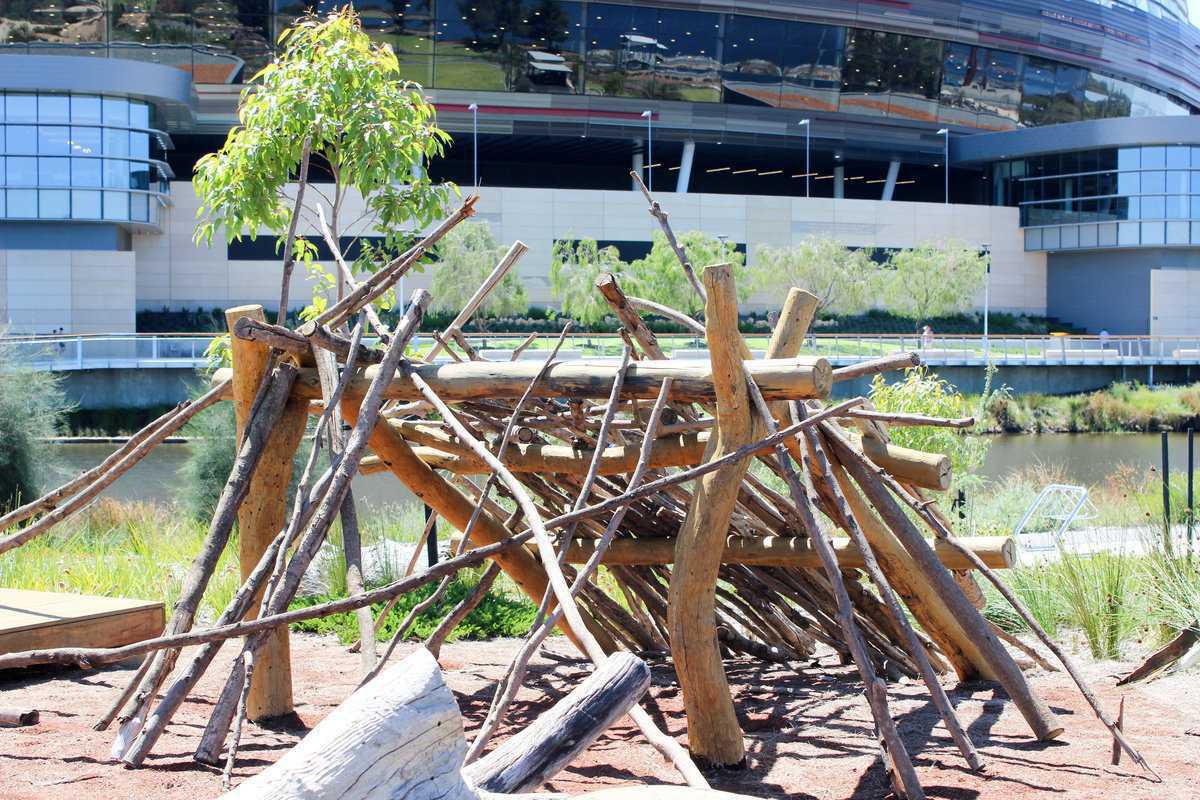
[466,256]
[369,128]
[661,278]
[574,267]
[934,280]
[844,281]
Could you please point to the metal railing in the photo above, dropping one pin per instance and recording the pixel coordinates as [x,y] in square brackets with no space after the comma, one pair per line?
[150,351]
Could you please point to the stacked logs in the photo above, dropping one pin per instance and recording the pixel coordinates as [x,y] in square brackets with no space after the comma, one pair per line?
[735,510]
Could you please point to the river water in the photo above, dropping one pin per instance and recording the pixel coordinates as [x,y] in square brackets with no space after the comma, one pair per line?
[1087,458]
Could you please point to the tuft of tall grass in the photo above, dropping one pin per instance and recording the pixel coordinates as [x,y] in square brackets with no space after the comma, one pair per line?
[1098,594]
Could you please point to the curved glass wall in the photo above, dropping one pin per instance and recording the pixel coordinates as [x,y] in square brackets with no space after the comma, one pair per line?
[606,49]
[1123,197]
[79,157]
[613,50]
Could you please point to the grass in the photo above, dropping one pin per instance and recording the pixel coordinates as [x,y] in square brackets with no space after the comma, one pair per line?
[1120,407]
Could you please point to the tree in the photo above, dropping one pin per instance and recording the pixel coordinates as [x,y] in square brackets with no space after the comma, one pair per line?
[336,94]
[32,407]
[660,276]
[574,267]
[466,256]
[933,281]
[843,280]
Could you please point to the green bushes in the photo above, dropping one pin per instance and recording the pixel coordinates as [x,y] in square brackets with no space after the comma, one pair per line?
[498,614]
[1120,407]
[31,411]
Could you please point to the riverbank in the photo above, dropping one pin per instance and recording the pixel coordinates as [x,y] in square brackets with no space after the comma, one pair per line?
[1122,407]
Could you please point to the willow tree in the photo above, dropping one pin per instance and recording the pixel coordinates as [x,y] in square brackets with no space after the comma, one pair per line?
[574,267]
[933,280]
[843,280]
[466,256]
[660,278]
[331,105]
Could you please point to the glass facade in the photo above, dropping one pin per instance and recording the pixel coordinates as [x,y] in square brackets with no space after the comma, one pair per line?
[559,46]
[1117,197]
[82,157]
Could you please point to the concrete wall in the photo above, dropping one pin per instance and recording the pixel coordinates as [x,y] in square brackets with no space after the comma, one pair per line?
[174,272]
[1109,290]
[82,291]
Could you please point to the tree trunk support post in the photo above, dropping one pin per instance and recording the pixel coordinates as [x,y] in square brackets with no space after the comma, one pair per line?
[264,511]
[713,731]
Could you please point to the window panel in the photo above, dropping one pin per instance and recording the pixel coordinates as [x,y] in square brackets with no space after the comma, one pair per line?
[622,50]
[812,65]
[139,207]
[85,205]
[752,70]
[21,140]
[1153,207]
[1178,157]
[139,115]
[139,145]
[54,204]
[85,171]
[1154,157]
[54,108]
[85,141]
[85,108]
[20,108]
[116,205]
[687,69]
[54,172]
[22,171]
[54,140]
[22,203]
[116,142]
[1154,182]
[116,111]
[116,174]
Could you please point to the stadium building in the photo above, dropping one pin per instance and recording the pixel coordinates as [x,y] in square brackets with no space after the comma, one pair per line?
[1059,135]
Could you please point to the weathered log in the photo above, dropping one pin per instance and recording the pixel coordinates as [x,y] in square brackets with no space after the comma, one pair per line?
[927,470]
[713,730]
[796,552]
[876,365]
[535,754]
[265,510]
[260,426]
[24,717]
[779,379]
[281,338]
[1166,656]
[897,418]
[985,651]
[399,736]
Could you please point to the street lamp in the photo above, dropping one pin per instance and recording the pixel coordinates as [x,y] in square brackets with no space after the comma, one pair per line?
[649,116]
[946,155]
[987,279]
[474,109]
[806,124]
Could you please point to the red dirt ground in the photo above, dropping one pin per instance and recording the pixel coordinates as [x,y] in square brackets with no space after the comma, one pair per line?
[808,732]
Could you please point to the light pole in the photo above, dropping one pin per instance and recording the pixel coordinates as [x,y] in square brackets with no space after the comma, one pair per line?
[946,162]
[807,125]
[474,109]
[649,148]
[987,279]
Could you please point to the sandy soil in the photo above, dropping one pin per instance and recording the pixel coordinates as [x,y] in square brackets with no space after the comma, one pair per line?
[808,732]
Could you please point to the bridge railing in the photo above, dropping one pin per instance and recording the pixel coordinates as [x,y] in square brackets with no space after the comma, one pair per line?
[188,350]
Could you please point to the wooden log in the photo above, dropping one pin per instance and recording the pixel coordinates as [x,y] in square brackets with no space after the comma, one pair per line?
[263,513]
[252,329]
[535,754]
[987,654]
[795,552]
[263,420]
[24,717]
[452,505]
[778,379]
[713,731]
[876,365]
[927,470]
[399,736]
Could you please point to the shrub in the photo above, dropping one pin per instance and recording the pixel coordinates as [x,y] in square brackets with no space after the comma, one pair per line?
[31,411]
[210,459]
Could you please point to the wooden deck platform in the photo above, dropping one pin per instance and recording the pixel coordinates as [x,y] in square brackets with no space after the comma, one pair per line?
[31,620]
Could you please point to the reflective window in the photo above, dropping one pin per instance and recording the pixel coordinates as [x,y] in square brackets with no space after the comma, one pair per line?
[85,205]
[54,204]
[21,139]
[752,68]
[886,73]
[116,111]
[22,171]
[54,140]
[623,49]
[20,108]
[85,171]
[139,115]
[1051,93]
[812,65]
[116,174]
[85,141]
[22,203]
[85,108]
[54,108]
[54,172]
[116,142]
[116,205]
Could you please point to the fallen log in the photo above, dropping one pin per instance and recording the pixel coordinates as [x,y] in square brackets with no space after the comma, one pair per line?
[778,379]
[399,736]
[1166,656]
[18,717]
[528,759]
[796,552]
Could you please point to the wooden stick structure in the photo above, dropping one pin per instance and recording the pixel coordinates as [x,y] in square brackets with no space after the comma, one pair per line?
[736,510]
